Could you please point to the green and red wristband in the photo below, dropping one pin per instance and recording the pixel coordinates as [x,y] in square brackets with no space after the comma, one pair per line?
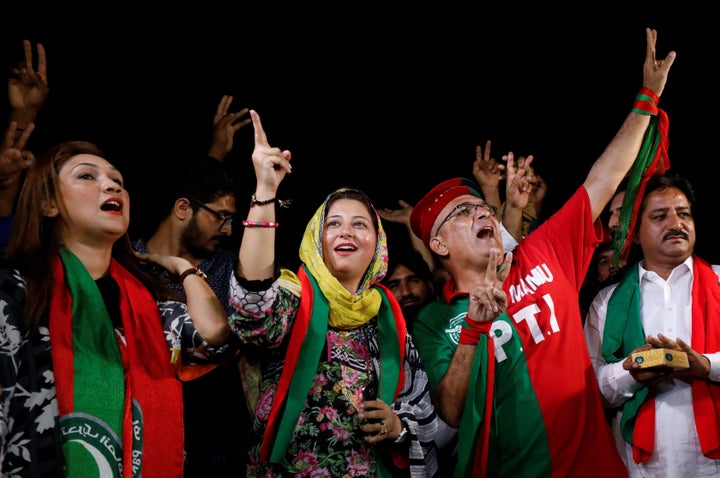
[646,102]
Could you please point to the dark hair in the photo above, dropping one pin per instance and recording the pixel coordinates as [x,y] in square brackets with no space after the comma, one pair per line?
[202,178]
[411,259]
[33,240]
[663,182]
[659,182]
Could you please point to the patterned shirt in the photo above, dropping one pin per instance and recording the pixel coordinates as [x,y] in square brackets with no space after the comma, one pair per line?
[327,440]
[29,434]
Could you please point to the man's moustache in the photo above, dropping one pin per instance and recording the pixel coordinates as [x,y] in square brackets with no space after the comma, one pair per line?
[675,234]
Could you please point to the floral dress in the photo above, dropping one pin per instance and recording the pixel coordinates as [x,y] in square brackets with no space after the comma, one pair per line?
[327,440]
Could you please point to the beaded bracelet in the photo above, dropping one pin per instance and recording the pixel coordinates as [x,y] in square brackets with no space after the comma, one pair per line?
[282,203]
[260,224]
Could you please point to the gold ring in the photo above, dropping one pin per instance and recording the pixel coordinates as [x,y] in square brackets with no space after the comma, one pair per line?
[383,429]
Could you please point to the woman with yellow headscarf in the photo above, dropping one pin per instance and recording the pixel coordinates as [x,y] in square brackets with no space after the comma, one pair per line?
[342,390]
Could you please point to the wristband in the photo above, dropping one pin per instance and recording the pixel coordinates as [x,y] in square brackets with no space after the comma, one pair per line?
[471,331]
[650,93]
[646,103]
[260,224]
[193,270]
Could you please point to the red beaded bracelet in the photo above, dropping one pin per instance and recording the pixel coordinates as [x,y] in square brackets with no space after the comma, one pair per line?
[260,224]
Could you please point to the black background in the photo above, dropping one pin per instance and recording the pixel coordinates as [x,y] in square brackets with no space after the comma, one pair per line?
[387,99]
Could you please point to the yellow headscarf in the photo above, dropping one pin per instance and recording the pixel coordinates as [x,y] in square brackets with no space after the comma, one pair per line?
[347,310]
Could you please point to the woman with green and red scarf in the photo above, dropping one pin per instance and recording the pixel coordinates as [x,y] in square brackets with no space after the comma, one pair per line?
[326,334]
[89,388]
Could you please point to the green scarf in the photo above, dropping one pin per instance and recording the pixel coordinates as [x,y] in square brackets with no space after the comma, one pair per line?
[624,333]
[120,406]
[96,360]
[652,159]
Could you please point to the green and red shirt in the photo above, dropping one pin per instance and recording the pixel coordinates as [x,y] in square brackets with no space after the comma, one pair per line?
[547,416]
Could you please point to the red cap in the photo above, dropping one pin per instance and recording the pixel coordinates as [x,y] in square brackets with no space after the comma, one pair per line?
[427,209]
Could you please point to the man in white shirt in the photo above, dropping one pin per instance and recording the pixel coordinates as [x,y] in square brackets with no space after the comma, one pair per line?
[668,419]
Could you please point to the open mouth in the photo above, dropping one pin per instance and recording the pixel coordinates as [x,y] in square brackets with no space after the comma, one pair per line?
[111,205]
[486,232]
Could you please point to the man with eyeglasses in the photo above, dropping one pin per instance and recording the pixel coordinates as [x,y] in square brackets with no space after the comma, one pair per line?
[504,347]
[198,208]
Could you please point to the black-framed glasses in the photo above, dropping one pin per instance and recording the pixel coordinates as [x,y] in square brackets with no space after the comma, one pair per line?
[467,209]
[225,221]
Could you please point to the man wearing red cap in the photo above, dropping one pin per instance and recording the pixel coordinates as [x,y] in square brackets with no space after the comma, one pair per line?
[521,387]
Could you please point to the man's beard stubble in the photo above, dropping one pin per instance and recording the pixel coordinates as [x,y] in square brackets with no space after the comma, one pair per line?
[193,241]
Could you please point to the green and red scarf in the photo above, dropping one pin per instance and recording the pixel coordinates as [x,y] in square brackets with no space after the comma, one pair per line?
[624,333]
[652,159]
[307,341]
[474,431]
[120,402]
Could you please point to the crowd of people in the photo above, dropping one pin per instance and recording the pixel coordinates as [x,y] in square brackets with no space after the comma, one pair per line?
[473,333]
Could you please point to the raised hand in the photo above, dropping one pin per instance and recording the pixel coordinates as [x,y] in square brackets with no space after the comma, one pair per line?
[655,72]
[270,164]
[539,190]
[517,185]
[225,125]
[401,216]
[14,158]
[488,300]
[487,171]
[28,88]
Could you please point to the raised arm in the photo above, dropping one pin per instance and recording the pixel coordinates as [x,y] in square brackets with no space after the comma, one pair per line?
[402,216]
[14,155]
[27,87]
[225,125]
[613,164]
[256,259]
[15,158]
[603,179]
[517,194]
[488,173]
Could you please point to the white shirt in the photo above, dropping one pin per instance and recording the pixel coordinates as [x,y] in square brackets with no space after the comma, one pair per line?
[666,308]
[509,242]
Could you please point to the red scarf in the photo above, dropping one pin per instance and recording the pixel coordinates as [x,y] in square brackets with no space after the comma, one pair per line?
[145,404]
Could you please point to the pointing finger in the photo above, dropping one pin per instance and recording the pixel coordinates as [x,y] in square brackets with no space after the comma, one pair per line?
[260,137]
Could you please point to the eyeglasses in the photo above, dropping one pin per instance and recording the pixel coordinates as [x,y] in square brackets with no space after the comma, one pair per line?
[225,221]
[467,209]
